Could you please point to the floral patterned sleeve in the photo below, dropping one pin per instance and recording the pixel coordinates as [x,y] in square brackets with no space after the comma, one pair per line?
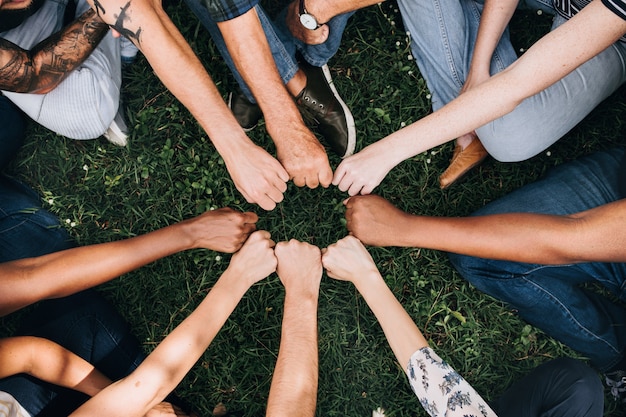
[441,390]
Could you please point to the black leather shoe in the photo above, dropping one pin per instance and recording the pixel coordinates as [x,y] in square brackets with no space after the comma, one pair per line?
[320,101]
[247,113]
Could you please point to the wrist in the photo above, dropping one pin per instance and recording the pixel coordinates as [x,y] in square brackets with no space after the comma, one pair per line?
[311,13]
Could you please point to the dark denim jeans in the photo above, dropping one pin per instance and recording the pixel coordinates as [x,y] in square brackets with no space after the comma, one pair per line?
[12,125]
[26,229]
[87,325]
[558,299]
[563,387]
[84,323]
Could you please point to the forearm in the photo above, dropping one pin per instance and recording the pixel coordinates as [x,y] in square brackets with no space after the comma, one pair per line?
[589,32]
[63,273]
[294,384]
[49,362]
[594,235]
[174,62]
[166,366]
[494,20]
[403,335]
[51,61]
[248,47]
[324,10]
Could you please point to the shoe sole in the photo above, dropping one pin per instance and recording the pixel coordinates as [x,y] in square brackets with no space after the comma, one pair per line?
[349,118]
[115,134]
[245,129]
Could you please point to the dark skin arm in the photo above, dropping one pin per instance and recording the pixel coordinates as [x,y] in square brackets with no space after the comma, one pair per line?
[42,68]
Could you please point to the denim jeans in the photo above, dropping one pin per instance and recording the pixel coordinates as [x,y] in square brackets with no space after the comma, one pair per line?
[12,125]
[557,298]
[87,325]
[282,44]
[83,323]
[26,229]
[443,35]
[85,103]
[558,388]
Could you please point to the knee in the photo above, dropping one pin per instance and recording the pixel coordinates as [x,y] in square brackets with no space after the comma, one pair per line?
[580,385]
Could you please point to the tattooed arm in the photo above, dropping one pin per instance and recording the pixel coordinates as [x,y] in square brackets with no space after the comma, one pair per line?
[48,63]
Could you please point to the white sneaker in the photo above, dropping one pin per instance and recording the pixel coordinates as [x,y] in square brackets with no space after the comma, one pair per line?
[117,133]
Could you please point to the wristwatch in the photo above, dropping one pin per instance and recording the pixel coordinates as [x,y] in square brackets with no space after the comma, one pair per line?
[308,20]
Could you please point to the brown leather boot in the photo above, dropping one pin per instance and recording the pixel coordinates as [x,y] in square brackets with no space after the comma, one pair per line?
[462,161]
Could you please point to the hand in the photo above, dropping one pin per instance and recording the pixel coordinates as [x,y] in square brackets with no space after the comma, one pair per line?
[374,220]
[255,260]
[302,155]
[258,176]
[363,171]
[348,260]
[222,230]
[299,267]
[165,409]
[310,37]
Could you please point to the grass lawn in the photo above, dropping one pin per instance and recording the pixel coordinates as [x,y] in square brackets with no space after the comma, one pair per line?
[171,171]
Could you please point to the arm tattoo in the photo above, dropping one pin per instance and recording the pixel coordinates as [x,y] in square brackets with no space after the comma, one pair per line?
[119,22]
[42,68]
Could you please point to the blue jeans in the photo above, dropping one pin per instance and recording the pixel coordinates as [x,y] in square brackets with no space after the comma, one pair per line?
[12,125]
[552,297]
[443,35]
[83,323]
[26,229]
[563,387]
[282,44]
[87,325]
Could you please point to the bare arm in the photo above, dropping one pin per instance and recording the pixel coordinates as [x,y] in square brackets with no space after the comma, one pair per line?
[50,62]
[29,280]
[166,366]
[555,55]
[348,260]
[323,10]
[493,21]
[294,384]
[257,175]
[47,361]
[595,235]
[298,150]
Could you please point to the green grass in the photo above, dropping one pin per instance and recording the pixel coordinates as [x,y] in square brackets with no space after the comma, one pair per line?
[170,171]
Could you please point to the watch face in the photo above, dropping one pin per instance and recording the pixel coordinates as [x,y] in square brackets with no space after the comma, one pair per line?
[308,21]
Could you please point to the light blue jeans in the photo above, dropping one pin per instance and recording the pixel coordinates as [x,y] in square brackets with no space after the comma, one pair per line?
[443,35]
[282,44]
[557,298]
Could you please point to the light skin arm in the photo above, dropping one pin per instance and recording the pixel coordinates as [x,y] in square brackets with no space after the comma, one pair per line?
[594,235]
[550,59]
[48,63]
[348,260]
[47,361]
[27,281]
[323,10]
[166,366]
[493,21]
[298,150]
[294,384]
[259,177]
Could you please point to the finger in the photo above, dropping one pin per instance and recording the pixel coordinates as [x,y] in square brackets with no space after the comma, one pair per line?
[248,228]
[250,217]
[312,182]
[299,181]
[275,195]
[339,174]
[266,203]
[326,177]
[354,189]
[346,201]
